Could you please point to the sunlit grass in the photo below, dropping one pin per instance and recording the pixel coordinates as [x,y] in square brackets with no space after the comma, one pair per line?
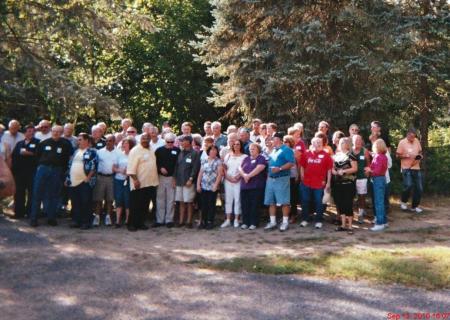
[422,267]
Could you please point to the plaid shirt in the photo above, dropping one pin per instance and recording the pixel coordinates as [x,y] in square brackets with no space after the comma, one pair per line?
[90,163]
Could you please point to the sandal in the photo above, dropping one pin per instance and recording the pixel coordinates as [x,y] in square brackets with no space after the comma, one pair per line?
[340,228]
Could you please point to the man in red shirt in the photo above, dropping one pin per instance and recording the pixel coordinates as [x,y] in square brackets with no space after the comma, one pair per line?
[315,171]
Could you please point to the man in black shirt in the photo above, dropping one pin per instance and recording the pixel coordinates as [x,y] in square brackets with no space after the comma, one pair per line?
[166,159]
[24,164]
[53,156]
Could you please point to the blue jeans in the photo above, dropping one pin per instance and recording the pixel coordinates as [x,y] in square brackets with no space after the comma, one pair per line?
[47,186]
[316,194]
[81,199]
[379,189]
[412,181]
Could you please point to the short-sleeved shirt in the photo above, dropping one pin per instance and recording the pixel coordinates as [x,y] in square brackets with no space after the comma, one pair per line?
[21,164]
[279,157]
[316,166]
[43,136]
[11,140]
[414,149]
[344,161]
[248,165]
[233,163]
[142,163]
[210,173]
[221,141]
[54,153]
[362,162]
[106,160]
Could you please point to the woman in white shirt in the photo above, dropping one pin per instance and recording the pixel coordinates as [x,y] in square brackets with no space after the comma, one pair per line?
[232,163]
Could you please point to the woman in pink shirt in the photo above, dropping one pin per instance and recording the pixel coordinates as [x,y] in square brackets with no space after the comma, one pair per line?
[377,171]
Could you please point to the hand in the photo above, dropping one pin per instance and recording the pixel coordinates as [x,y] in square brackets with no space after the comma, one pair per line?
[247,178]
[276,169]
[164,171]
[367,170]
[199,189]
[340,172]
[214,188]
[189,183]
[86,180]
[327,188]
[137,184]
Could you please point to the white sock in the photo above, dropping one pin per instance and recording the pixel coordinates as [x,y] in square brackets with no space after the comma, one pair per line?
[272,219]
[285,219]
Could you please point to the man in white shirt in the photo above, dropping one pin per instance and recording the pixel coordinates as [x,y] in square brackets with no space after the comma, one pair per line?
[44,132]
[11,137]
[104,188]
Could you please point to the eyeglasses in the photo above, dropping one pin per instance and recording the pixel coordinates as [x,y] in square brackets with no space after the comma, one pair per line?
[131,131]
[170,141]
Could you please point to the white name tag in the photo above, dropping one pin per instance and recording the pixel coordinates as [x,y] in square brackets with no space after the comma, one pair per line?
[99,144]
[48,148]
[253,161]
[86,156]
[298,148]
[361,158]
[320,156]
[174,152]
[32,146]
[188,160]
[59,150]
[146,156]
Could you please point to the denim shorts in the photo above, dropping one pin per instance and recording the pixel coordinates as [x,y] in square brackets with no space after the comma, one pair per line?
[278,191]
[122,194]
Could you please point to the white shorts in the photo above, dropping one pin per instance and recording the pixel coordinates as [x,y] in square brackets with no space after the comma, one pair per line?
[361,186]
[185,194]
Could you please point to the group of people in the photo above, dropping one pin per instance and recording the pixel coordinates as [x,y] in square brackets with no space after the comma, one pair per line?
[249,168]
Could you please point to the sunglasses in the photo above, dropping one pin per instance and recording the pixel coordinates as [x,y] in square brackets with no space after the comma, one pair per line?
[170,141]
[131,131]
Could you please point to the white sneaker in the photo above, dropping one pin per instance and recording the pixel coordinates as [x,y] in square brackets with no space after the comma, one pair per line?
[303,224]
[403,206]
[318,225]
[417,210]
[284,226]
[244,227]
[107,220]
[96,221]
[377,227]
[252,227]
[236,223]
[270,226]
[226,224]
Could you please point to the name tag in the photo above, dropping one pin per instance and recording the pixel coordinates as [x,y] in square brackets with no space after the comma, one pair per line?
[99,144]
[188,160]
[86,156]
[146,156]
[298,148]
[32,146]
[48,148]
[320,156]
[59,150]
[174,152]
[253,161]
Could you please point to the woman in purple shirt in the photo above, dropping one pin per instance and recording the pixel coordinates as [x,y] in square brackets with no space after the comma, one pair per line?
[253,182]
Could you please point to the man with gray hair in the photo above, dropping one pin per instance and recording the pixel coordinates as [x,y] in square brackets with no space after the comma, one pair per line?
[145,129]
[125,124]
[68,135]
[220,140]
[97,136]
[11,137]
[166,159]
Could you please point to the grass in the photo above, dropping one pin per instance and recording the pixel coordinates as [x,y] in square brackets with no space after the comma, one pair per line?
[427,268]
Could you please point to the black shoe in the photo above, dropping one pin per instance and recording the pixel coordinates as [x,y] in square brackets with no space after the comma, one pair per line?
[169,225]
[143,227]
[34,223]
[201,226]
[85,227]
[209,226]
[157,225]
[74,225]
[340,228]
[52,222]
[117,225]
[132,228]
[189,225]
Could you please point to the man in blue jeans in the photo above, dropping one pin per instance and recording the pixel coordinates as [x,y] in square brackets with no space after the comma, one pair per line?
[409,151]
[53,156]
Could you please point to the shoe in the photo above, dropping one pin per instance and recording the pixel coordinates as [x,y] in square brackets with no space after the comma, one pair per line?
[169,225]
[132,228]
[143,227]
[377,227]
[52,222]
[244,227]
[209,226]
[417,210]
[270,226]
[403,206]
[252,227]
[189,225]
[108,220]
[318,225]
[96,221]
[157,225]
[74,225]
[303,224]
[225,224]
[340,228]
[34,223]
[284,226]
[236,223]
[117,225]
[85,227]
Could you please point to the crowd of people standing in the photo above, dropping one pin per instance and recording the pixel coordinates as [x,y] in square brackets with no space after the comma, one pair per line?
[249,168]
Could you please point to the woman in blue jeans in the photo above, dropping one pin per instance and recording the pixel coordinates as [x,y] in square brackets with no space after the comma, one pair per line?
[121,182]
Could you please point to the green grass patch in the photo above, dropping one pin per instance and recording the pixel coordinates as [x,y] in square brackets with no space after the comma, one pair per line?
[420,267]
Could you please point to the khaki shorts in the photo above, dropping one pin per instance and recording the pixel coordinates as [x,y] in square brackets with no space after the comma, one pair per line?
[104,189]
[361,186]
[185,194]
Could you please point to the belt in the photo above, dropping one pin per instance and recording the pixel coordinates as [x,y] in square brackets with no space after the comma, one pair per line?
[105,175]
[287,175]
